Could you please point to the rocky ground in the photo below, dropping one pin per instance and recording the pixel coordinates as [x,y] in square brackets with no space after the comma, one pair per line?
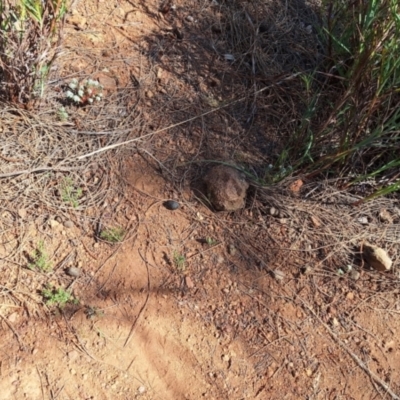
[190,303]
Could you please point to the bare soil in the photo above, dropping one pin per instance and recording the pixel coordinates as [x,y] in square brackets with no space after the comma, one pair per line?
[192,304]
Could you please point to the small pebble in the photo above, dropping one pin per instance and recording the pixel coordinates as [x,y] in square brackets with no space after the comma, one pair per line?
[171,205]
[350,296]
[278,275]
[68,224]
[355,275]
[54,224]
[363,220]
[273,211]
[73,271]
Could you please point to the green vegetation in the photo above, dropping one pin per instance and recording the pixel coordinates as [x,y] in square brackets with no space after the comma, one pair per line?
[30,34]
[113,235]
[69,193]
[179,261]
[40,259]
[210,241]
[58,297]
[351,121]
[62,114]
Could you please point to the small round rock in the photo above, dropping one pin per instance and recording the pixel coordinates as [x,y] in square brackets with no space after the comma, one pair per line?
[68,224]
[355,275]
[73,271]
[171,205]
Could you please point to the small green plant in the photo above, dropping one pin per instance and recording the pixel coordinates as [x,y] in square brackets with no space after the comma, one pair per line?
[179,261]
[69,193]
[57,297]
[30,36]
[40,259]
[85,92]
[113,235]
[350,124]
[62,114]
[210,241]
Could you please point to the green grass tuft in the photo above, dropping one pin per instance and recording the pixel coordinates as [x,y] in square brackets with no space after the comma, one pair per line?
[113,235]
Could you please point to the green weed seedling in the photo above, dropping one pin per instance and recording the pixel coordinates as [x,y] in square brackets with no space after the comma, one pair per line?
[62,114]
[57,297]
[179,261]
[113,235]
[210,241]
[69,193]
[40,259]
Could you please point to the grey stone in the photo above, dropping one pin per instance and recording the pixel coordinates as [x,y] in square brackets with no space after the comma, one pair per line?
[73,271]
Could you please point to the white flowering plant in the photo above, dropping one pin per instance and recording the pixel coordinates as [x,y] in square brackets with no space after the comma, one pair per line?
[84,92]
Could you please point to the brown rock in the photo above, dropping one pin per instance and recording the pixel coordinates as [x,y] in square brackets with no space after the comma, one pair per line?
[376,257]
[226,188]
[296,186]
[316,222]
[107,81]
[189,282]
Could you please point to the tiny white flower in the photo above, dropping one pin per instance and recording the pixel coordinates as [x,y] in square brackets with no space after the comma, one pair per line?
[90,101]
[76,98]
[98,98]
[69,94]
[89,91]
[72,85]
[80,92]
[100,95]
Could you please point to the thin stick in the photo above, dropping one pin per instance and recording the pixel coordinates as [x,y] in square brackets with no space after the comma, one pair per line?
[144,304]
[34,170]
[41,383]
